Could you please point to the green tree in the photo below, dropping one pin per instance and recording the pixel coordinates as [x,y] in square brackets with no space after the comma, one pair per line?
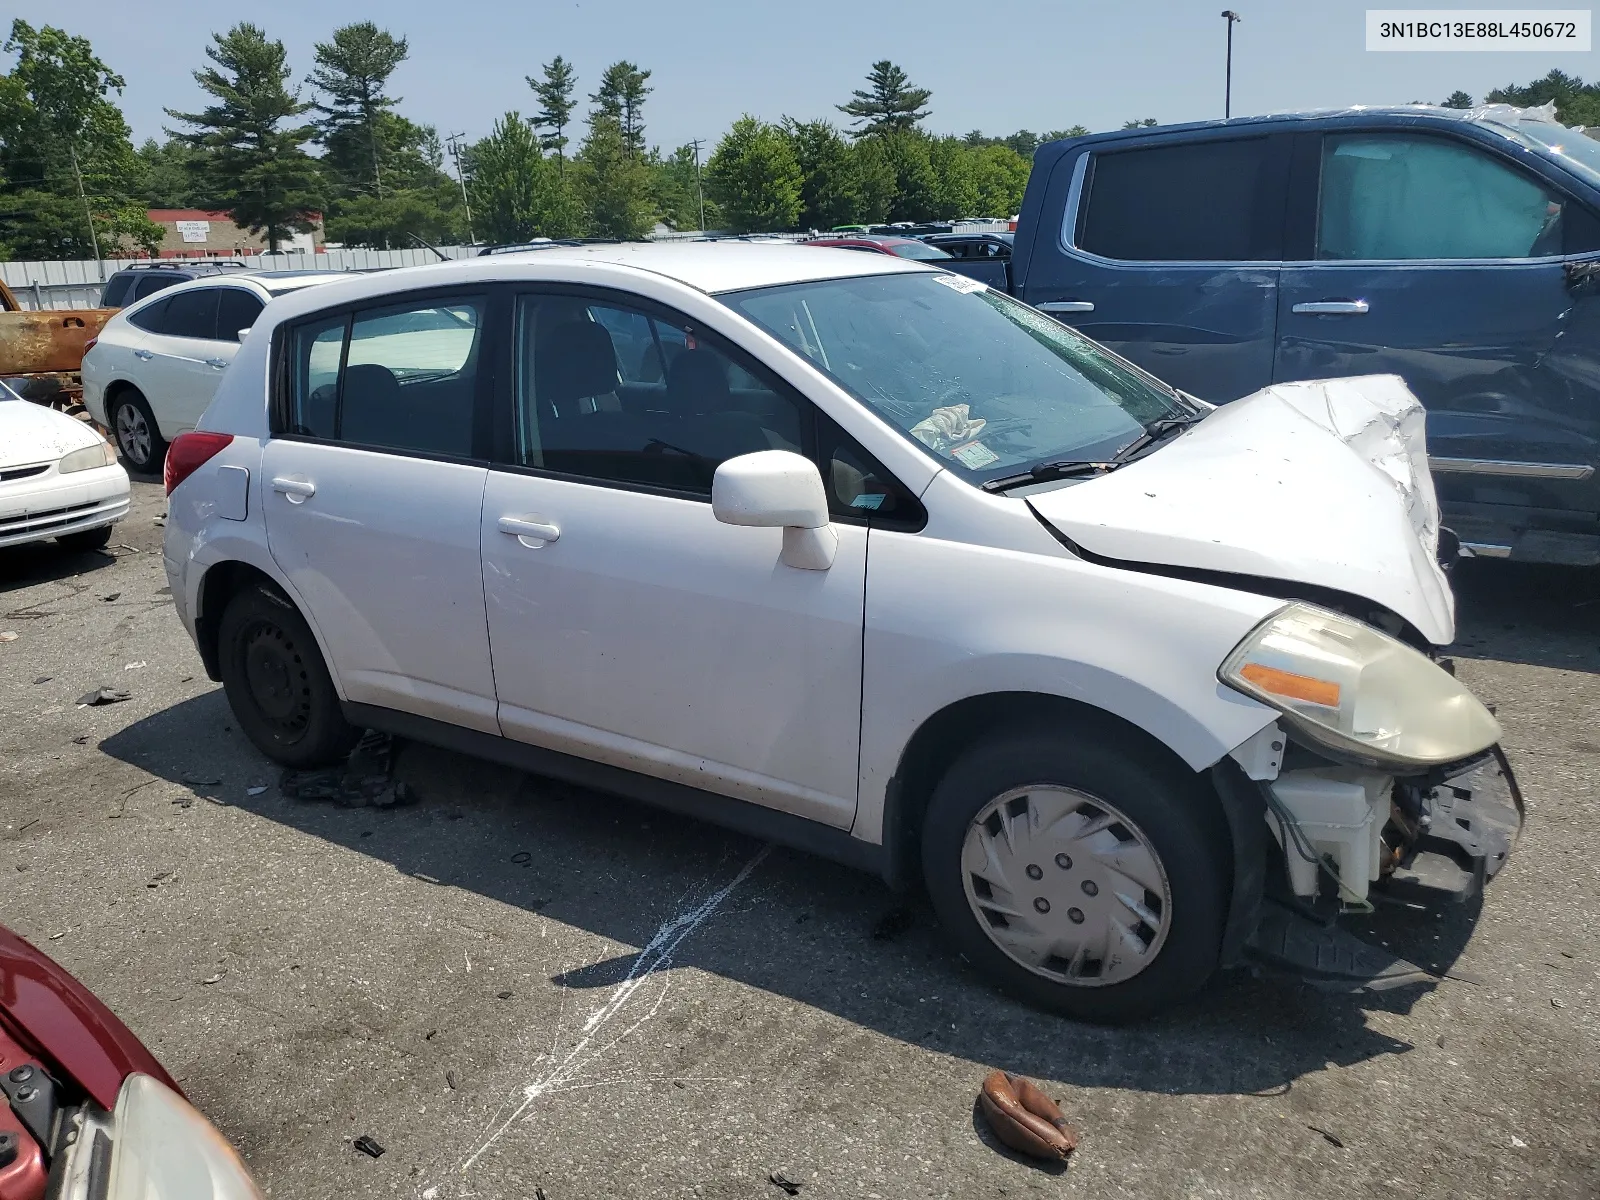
[873,176]
[1001,175]
[621,101]
[352,71]
[754,177]
[70,181]
[955,178]
[556,104]
[255,162]
[916,184]
[1023,142]
[1061,135]
[677,189]
[172,174]
[517,192]
[1458,99]
[613,183]
[1577,103]
[889,105]
[830,187]
[1145,123]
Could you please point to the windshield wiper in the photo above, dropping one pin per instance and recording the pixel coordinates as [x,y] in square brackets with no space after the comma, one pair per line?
[1154,432]
[1046,471]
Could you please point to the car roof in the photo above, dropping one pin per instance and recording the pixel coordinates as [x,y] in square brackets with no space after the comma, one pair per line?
[274,283]
[710,266]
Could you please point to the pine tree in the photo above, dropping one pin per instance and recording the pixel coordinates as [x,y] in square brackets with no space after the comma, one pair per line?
[555,95]
[614,184]
[891,105]
[352,71]
[255,163]
[621,100]
[754,177]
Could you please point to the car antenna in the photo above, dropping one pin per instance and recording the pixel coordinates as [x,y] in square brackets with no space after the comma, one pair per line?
[443,257]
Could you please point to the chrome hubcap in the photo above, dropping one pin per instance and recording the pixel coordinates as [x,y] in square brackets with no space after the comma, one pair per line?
[133,434]
[1066,885]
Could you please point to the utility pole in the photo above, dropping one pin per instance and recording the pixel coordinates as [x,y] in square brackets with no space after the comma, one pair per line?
[1230,17]
[454,142]
[87,215]
[700,191]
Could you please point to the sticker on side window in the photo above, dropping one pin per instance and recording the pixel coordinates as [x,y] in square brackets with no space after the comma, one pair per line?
[960,283]
[974,456]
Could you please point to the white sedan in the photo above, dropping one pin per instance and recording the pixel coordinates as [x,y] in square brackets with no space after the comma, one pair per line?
[152,370]
[58,478]
[859,556]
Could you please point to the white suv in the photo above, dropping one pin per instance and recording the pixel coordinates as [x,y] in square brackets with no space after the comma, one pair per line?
[149,374]
[865,558]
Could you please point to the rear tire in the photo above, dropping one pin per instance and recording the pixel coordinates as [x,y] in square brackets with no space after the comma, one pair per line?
[89,539]
[1113,866]
[138,437]
[276,682]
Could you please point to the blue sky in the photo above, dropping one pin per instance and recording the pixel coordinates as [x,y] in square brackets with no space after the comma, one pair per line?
[992,66]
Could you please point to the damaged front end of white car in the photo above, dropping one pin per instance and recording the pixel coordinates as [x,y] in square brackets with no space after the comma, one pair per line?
[1382,779]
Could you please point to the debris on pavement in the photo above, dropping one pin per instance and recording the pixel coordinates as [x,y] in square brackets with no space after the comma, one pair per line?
[43,679]
[134,666]
[105,695]
[1332,1139]
[365,780]
[110,596]
[368,1146]
[210,979]
[1024,1118]
[8,635]
[255,791]
[783,1181]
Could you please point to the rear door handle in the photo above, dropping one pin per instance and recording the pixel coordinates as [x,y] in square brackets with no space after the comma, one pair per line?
[1335,307]
[145,354]
[530,527]
[1067,306]
[298,490]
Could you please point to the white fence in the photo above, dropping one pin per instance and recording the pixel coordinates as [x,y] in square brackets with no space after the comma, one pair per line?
[77,284]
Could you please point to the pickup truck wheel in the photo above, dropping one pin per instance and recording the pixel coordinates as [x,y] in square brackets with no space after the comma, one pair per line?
[1077,874]
[138,436]
[276,682]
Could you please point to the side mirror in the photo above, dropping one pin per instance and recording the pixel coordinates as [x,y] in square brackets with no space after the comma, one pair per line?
[244,333]
[777,489]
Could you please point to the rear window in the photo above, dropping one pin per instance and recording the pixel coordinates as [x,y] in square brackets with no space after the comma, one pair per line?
[149,285]
[117,291]
[152,318]
[1187,202]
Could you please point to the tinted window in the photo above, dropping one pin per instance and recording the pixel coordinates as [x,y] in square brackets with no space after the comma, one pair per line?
[192,315]
[615,393]
[116,293]
[407,381]
[236,309]
[151,318]
[151,283]
[1187,202]
[1400,196]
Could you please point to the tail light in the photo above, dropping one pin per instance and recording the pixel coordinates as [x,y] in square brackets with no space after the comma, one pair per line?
[188,452]
[90,344]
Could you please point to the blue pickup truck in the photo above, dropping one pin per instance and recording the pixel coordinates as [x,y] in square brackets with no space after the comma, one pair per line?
[1459,250]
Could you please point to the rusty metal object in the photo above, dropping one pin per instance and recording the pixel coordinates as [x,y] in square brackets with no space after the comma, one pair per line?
[1024,1118]
[41,352]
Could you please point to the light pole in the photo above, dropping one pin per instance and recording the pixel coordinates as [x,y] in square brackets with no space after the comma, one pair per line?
[1230,17]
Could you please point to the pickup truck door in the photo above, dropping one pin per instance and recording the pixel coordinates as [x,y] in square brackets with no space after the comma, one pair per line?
[1167,251]
[1438,259]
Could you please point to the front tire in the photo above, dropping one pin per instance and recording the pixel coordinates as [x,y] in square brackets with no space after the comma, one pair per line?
[276,682]
[88,539]
[138,436]
[1079,872]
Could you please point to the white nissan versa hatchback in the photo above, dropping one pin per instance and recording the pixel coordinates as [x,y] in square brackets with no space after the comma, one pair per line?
[862,557]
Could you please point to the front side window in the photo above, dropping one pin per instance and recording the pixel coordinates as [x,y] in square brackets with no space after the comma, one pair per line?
[987,384]
[401,377]
[615,393]
[1404,196]
[1205,201]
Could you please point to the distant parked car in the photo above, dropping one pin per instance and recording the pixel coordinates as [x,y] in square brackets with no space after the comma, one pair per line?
[151,372]
[134,283]
[985,256]
[88,1111]
[58,478]
[900,247]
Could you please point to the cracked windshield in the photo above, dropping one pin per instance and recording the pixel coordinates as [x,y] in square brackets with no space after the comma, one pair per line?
[991,386]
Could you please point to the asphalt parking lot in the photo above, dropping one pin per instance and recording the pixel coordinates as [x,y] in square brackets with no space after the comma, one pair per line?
[521,989]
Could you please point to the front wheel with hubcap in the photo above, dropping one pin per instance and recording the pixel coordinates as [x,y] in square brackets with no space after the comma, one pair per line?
[1079,872]
[276,682]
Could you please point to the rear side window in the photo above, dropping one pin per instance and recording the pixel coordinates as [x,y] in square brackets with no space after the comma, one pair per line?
[236,309]
[149,285]
[192,315]
[1208,201]
[402,377]
[116,293]
[1404,196]
[152,318]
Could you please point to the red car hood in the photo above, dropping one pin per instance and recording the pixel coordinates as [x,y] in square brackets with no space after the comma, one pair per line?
[60,1019]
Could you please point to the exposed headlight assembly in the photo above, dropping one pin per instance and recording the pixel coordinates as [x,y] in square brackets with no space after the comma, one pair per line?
[88,458]
[162,1149]
[1358,693]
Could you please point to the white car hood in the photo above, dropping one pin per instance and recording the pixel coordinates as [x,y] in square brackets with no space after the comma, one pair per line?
[31,433]
[1324,483]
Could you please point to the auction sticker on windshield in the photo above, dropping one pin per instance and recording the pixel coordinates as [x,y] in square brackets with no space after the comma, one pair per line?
[974,455]
[960,283]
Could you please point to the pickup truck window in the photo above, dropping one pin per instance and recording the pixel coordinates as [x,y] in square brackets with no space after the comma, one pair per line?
[985,383]
[1389,196]
[1183,202]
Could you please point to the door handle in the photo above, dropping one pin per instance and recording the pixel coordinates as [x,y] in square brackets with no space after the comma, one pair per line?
[530,527]
[218,363]
[145,354]
[1351,307]
[1055,306]
[297,490]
